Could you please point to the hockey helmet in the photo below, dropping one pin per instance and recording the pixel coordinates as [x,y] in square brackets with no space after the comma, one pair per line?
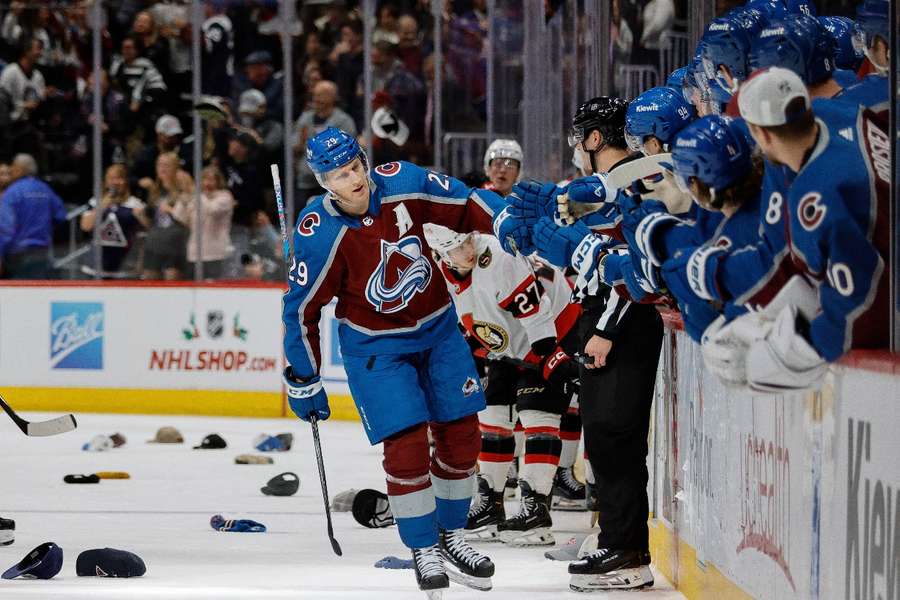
[843,30]
[604,114]
[443,240]
[503,148]
[713,150]
[799,43]
[661,112]
[332,149]
[676,78]
[727,43]
[872,20]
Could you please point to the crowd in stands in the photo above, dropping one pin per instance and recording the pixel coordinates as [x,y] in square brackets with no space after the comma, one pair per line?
[148,207]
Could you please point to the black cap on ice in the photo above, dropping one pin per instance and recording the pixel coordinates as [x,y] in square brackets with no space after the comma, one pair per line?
[109,562]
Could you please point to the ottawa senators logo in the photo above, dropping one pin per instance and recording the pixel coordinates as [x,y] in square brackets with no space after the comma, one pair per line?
[485,259]
[494,338]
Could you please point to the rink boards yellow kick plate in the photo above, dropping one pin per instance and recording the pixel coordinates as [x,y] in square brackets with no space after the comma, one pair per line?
[677,560]
[223,403]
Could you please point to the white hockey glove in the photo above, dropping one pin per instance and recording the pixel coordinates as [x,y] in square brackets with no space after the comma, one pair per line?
[724,347]
[784,361]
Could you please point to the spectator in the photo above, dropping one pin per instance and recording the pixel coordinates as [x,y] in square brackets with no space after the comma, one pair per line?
[168,139]
[216,208]
[258,75]
[114,126]
[153,47]
[262,260]
[218,51]
[23,82]
[323,114]
[242,175]
[409,47]
[331,24]
[29,209]
[165,246]
[139,81]
[347,57]
[122,217]
[172,20]
[252,112]
[406,91]
[386,28]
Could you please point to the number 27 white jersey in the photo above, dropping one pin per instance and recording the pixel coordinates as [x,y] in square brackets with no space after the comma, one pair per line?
[509,302]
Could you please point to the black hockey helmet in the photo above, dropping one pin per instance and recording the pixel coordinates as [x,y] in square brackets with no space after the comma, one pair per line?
[603,113]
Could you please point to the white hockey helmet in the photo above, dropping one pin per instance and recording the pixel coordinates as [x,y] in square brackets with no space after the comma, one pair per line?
[503,148]
[443,239]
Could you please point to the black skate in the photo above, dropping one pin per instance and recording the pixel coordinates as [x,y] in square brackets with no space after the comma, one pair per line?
[7,531]
[531,527]
[485,513]
[464,564]
[431,575]
[605,569]
[568,492]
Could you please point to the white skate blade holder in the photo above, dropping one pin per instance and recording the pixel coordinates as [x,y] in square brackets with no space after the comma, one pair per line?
[565,504]
[540,536]
[623,579]
[482,584]
[488,533]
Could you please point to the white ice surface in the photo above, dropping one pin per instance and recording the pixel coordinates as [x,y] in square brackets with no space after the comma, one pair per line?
[162,514]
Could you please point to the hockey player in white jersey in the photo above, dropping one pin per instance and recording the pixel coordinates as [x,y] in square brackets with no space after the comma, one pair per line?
[519,313]
[503,165]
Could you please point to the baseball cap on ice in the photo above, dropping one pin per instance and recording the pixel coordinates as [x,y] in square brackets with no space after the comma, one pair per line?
[109,562]
[167,435]
[767,98]
[43,562]
[213,441]
[285,484]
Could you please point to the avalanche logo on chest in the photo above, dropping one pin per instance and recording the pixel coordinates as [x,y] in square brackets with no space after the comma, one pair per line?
[402,273]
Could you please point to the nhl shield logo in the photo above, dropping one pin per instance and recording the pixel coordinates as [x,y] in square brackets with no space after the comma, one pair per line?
[215,323]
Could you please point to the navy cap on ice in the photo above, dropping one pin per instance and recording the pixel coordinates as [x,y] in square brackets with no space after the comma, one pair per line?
[109,562]
[43,562]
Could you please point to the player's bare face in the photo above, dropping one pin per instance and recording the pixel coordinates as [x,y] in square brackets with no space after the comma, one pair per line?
[350,184]
[503,173]
[463,256]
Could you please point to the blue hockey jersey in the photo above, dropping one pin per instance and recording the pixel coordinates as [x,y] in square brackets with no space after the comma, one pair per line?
[390,297]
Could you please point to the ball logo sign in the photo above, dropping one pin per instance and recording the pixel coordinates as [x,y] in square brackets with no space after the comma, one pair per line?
[76,335]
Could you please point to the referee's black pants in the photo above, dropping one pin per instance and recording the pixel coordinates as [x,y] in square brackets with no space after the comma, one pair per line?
[615,412]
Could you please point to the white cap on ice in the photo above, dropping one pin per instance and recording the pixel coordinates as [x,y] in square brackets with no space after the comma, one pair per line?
[765,98]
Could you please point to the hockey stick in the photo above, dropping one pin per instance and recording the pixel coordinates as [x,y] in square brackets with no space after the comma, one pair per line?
[625,175]
[40,428]
[313,420]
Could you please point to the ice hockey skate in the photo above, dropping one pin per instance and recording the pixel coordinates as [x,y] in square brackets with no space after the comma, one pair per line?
[431,574]
[568,492]
[485,513]
[531,526]
[605,569]
[465,565]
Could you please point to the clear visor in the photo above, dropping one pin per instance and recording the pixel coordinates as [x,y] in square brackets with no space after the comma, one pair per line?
[576,136]
[635,142]
[682,183]
[461,253]
[504,163]
[859,41]
[329,179]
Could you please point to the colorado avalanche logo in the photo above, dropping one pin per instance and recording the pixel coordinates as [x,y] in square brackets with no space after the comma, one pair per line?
[401,274]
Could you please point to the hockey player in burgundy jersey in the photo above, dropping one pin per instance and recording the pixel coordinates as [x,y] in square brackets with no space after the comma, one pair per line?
[519,311]
[407,365]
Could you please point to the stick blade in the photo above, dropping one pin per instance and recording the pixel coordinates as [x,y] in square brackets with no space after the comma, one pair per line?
[336,547]
[55,426]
